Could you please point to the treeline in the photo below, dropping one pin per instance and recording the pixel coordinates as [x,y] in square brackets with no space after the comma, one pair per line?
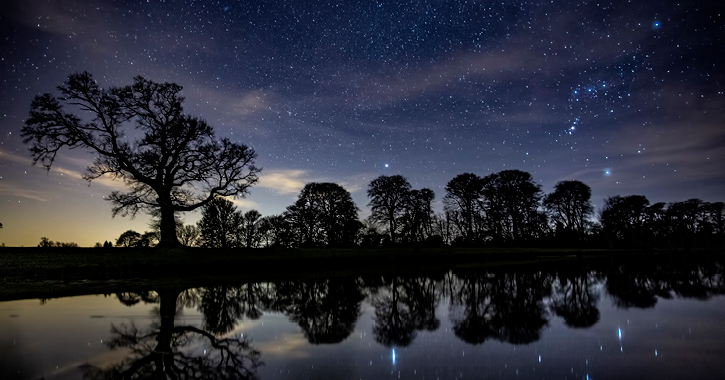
[502,209]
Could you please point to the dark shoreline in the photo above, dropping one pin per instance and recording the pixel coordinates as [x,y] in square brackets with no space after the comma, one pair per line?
[56,272]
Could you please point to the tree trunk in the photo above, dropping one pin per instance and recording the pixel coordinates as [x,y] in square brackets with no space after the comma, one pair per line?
[167,310]
[168,237]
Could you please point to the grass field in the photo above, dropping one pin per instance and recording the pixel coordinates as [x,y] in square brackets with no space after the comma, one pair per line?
[54,272]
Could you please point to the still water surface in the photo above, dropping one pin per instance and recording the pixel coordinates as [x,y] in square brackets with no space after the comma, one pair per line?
[624,323]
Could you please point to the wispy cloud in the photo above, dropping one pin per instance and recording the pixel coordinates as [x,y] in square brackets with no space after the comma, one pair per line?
[284,181]
[104,181]
[12,191]
[15,158]
[243,203]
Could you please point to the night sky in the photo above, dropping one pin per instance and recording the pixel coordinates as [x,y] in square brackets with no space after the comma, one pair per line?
[626,96]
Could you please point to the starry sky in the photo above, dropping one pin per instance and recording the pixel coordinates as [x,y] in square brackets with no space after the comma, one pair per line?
[626,96]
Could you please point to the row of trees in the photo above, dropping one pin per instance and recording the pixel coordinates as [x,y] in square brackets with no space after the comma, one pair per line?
[633,221]
[505,208]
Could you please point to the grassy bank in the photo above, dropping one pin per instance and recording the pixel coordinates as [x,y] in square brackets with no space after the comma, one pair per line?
[46,272]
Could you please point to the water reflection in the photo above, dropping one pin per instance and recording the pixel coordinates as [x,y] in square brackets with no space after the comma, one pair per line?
[402,307]
[501,306]
[640,284]
[575,298]
[326,311]
[514,308]
[166,350]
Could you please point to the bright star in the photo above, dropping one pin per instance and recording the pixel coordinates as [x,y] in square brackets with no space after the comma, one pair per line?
[656,24]
[607,173]
[386,165]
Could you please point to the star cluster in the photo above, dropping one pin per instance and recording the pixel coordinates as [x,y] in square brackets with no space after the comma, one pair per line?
[624,96]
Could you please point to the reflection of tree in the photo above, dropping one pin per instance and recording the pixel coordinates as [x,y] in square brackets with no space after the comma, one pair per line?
[130,299]
[575,299]
[633,289]
[403,306]
[423,299]
[394,324]
[167,351]
[505,307]
[223,306]
[698,280]
[639,285]
[326,311]
[471,310]
[519,302]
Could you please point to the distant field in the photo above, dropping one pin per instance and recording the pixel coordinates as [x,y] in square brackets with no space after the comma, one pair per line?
[38,272]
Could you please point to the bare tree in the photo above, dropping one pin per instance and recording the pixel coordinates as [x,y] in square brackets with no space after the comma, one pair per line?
[189,235]
[170,161]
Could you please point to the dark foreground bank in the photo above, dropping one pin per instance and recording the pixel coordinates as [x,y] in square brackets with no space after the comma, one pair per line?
[55,272]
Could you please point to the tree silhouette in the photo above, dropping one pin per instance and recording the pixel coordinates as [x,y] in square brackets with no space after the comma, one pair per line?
[250,228]
[570,207]
[189,235]
[324,214]
[174,165]
[388,196]
[418,217]
[220,224]
[512,202]
[277,231]
[371,235]
[46,243]
[623,219]
[132,238]
[463,196]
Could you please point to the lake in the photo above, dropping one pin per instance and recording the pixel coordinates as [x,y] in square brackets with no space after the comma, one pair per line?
[619,321]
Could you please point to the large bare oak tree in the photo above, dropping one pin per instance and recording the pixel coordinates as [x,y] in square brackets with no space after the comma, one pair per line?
[170,161]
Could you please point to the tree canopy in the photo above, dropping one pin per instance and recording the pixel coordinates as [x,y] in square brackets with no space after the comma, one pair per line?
[324,213]
[170,161]
[388,198]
